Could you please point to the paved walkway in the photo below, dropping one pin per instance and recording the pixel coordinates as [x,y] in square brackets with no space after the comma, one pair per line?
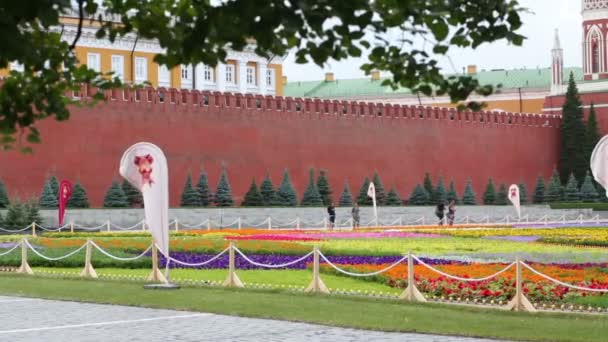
[26,319]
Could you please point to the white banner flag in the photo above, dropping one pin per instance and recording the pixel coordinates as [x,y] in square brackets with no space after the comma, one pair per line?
[144,165]
[371,192]
[514,198]
[599,163]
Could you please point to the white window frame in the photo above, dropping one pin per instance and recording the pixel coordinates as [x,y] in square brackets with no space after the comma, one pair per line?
[207,74]
[270,78]
[141,70]
[230,74]
[164,76]
[185,72]
[94,64]
[118,66]
[250,76]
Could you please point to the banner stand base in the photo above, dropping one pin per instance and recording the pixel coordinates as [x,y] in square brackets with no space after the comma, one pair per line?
[162,286]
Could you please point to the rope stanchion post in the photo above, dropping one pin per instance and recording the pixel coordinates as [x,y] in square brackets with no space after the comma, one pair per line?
[519,302]
[25,267]
[33,229]
[156,276]
[208,224]
[232,280]
[240,225]
[108,225]
[325,223]
[317,285]
[269,223]
[88,271]
[143,226]
[71,227]
[507,219]
[411,292]
[176,225]
[422,221]
[298,223]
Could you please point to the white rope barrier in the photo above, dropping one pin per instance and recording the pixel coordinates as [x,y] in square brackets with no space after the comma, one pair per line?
[341,270]
[91,228]
[10,250]
[120,258]
[284,225]
[233,223]
[263,223]
[196,226]
[53,258]
[269,265]
[137,225]
[16,230]
[561,282]
[184,263]
[460,278]
[49,229]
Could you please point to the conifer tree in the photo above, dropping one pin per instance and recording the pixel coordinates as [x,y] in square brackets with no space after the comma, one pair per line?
[439,194]
[419,196]
[204,190]
[31,213]
[48,198]
[346,198]
[363,199]
[452,195]
[4,202]
[54,186]
[267,191]
[190,196]
[469,196]
[253,197]
[15,216]
[501,195]
[379,186]
[523,193]
[286,194]
[588,191]
[428,187]
[324,188]
[489,196]
[134,196]
[392,198]
[571,192]
[79,197]
[539,190]
[554,190]
[312,197]
[115,197]
[592,134]
[223,194]
[573,158]
[2,221]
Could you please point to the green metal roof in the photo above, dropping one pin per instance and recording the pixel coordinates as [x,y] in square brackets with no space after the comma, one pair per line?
[510,79]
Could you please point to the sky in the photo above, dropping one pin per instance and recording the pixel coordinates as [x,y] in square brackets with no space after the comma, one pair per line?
[538,26]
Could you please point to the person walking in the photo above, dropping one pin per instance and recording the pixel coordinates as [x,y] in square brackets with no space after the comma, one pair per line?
[331,210]
[440,212]
[451,212]
[355,213]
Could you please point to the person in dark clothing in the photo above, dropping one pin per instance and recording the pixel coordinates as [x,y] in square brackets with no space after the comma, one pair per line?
[451,212]
[440,212]
[331,210]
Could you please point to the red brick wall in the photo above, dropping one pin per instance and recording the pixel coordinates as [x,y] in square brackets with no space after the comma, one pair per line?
[600,100]
[350,140]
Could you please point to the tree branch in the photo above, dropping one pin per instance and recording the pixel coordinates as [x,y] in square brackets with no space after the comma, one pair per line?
[80,20]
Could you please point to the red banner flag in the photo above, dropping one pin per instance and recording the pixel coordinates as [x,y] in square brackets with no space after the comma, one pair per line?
[65,192]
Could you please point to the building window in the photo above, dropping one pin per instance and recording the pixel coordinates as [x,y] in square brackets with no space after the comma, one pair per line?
[164,76]
[595,56]
[230,74]
[118,66]
[184,72]
[250,75]
[141,69]
[94,61]
[207,73]
[270,78]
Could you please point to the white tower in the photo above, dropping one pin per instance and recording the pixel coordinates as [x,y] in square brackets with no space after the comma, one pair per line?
[557,66]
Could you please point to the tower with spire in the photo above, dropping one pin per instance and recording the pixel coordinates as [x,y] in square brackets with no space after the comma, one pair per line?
[557,66]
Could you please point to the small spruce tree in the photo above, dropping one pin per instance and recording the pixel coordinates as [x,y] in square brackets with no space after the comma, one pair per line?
[134,196]
[554,190]
[48,198]
[489,196]
[419,196]
[31,212]
[346,198]
[115,197]
[286,194]
[54,186]
[363,199]
[501,195]
[469,196]
[15,216]
[79,197]
[223,194]
[392,198]
[592,134]
[2,221]
[428,187]
[324,188]
[4,202]
[311,197]
[588,191]
[190,196]
[539,191]
[523,193]
[253,197]
[267,191]
[452,195]
[571,192]
[439,194]
[203,189]
[380,193]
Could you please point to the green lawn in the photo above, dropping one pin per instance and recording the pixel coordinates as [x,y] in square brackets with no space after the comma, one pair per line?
[365,313]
